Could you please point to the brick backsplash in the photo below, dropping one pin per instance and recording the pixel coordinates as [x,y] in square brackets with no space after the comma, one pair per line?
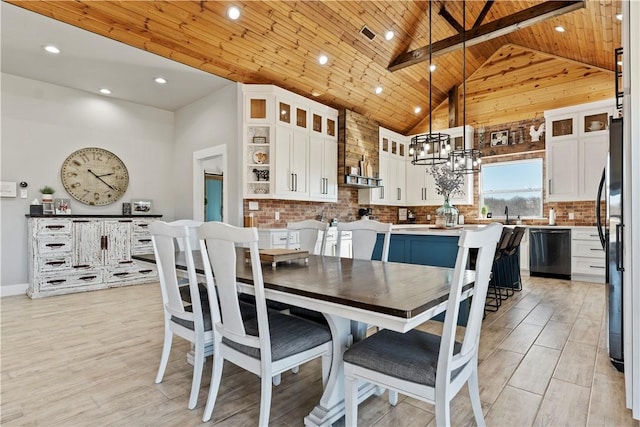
[346,209]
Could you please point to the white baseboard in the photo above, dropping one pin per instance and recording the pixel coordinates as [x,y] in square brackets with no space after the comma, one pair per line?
[19,289]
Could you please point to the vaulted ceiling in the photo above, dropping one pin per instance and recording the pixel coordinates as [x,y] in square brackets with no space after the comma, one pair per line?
[278,42]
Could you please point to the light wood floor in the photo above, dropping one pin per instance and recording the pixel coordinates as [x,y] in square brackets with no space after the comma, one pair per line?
[91,359]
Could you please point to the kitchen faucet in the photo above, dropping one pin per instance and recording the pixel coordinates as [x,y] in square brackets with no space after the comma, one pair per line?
[506,212]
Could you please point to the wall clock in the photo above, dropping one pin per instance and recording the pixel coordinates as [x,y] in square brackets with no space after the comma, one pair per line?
[94,176]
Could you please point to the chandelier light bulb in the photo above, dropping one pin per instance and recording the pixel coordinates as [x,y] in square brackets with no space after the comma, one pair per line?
[432,67]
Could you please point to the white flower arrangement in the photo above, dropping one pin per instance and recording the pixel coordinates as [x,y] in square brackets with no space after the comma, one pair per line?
[448,181]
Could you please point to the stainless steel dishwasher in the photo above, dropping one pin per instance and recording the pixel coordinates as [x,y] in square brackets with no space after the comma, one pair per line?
[550,252]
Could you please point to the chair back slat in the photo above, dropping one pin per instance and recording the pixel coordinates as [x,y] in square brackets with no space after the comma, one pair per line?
[485,241]
[364,234]
[164,237]
[308,233]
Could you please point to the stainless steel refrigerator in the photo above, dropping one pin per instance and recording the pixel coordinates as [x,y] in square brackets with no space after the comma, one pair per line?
[610,229]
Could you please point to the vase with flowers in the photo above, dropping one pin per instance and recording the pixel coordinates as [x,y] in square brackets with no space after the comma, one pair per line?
[448,183]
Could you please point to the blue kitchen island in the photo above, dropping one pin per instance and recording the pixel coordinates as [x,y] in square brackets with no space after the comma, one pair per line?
[421,244]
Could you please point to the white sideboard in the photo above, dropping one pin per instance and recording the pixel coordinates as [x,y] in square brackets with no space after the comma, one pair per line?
[84,253]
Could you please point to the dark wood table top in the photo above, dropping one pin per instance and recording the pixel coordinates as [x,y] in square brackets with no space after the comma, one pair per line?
[394,289]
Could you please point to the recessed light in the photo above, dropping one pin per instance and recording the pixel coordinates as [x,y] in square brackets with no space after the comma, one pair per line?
[315,93]
[51,49]
[379,90]
[323,59]
[389,35]
[432,67]
[619,16]
[105,91]
[560,29]
[233,13]
[160,80]
[417,110]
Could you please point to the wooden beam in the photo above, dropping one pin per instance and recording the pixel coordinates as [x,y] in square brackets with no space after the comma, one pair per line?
[453,107]
[450,19]
[491,30]
[483,13]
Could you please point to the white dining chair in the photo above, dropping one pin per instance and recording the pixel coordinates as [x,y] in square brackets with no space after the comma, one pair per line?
[364,234]
[309,231]
[421,365]
[266,345]
[190,321]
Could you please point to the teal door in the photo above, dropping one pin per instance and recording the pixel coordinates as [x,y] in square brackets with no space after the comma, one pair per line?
[212,197]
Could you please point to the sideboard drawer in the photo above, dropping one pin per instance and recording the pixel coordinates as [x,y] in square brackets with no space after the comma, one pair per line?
[57,281]
[54,245]
[53,226]
[54,263]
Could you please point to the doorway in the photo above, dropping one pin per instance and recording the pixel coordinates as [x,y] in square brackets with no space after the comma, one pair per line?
[210,161]
[213,196]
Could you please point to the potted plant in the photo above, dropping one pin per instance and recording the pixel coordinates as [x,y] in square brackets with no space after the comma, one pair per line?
[448,182]
[47,194]
[484,211]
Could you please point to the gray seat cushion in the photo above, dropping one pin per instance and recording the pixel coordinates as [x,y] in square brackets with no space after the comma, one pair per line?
[412,356]
[289,335]
[247,311]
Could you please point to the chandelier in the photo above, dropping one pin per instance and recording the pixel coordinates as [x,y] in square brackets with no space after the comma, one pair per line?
[465,160]
[432,148]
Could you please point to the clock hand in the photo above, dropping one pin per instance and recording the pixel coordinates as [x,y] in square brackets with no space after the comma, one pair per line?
[105,174]
[105,182]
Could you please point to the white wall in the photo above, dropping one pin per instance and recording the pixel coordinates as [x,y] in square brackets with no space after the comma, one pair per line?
[43,123]
[210,121]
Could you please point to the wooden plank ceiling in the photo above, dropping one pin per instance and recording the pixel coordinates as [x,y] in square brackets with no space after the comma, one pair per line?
[278,42]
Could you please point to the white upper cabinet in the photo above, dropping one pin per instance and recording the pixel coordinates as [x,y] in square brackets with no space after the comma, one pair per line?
[323,158]
[577,142]
[290,146]
[392,149]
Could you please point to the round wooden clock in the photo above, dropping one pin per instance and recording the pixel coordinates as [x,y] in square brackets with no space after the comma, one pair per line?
[94,176]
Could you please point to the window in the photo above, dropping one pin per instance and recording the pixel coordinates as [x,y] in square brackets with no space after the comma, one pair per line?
[516,185]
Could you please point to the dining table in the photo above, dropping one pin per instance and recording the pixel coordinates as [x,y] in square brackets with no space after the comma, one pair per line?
[389,295]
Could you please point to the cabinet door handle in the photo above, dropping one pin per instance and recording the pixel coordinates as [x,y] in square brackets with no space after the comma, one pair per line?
[550,186]
[382,192]
[121,274]
[292,183]
[619,246]
[55,263]
[81,266]
[596,249]
[143,225]
[399,193]
[144,240]
[125,262]
[80,220]
[296,176]
[596,266]
[145,271]
[56,281]
[87,277]
[54,227]
[125,220]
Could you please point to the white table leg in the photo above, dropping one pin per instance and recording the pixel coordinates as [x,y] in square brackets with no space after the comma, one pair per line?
[331,405]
